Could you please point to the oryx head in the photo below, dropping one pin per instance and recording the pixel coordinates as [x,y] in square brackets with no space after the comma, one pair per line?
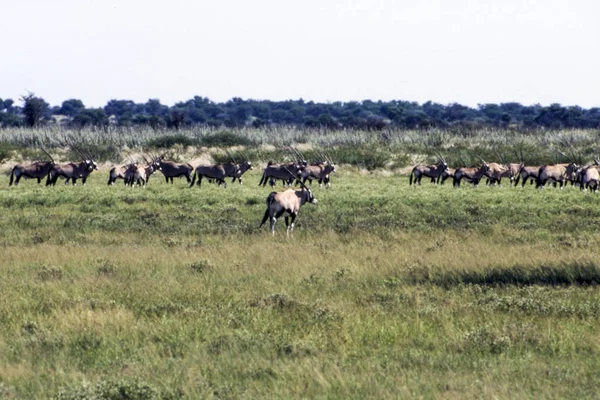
[310,196]
[90,164]
[484,166]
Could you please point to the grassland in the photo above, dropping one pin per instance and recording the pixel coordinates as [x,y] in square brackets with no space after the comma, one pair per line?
[384,291]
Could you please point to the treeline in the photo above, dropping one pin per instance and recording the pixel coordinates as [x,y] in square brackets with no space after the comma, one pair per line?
[368,115]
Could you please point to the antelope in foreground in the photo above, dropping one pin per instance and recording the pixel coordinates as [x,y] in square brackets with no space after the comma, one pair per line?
[72,171]
[288,201]
[36,170]
[434,171]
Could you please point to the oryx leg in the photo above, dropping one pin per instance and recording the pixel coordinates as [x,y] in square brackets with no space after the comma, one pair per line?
[39,180]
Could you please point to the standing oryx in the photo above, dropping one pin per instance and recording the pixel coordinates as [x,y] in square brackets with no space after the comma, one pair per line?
[431,171]
[286,172]
[72,171]
[472,174]
[119,173]
[448,173]
[589,177]
[139,173]
[36,170]
[530,173]
[172,170]
[235,170]
[560,173]
[211,171]
[318,171]
[288,201]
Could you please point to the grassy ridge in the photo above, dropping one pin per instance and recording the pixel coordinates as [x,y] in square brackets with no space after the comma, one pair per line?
[384,291]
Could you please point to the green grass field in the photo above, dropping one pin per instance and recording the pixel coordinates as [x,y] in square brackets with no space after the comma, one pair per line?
[384,291]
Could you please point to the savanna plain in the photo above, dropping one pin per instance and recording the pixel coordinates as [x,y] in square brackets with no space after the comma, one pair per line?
[383,291]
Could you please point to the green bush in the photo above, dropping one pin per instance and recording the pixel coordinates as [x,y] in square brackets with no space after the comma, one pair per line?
[225,139]
[168,141]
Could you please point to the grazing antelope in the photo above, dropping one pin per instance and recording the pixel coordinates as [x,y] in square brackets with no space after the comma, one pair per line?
[288,201]
[172,170]
[211,171]
[36,170]
[431,171]
[72,171]
[560,173]
[472,174]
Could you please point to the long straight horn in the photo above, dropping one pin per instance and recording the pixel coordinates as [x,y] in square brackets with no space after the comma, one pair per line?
[230,156]
[48,154]
[482,160]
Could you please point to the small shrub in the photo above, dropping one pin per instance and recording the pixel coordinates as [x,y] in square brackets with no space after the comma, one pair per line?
[106,268]
[168,141]
[200,266]
[49,273]
[226,139]
[6,150]
[115,390]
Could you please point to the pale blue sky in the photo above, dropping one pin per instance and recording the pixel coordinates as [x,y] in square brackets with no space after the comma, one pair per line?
[465,51]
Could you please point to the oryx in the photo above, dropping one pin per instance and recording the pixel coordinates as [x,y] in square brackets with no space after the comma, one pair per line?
[431,171]
[72,171]
[560,173]
[589,178]
[210,171]
[288,201]
[172,170]
[471,174]
[286,172]
[36,170]
[140,174]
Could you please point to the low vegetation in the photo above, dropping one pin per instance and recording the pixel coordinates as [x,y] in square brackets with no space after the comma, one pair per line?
[384,291]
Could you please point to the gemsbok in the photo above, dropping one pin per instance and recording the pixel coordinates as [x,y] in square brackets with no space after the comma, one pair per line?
[434,171]
[471,174]
[211,171]
[72,171]
[36,170]
[172,170]
[288,201]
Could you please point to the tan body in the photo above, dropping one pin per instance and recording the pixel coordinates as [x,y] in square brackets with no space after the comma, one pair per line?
[560,173]
[319,172]
[528,172]
[288,202]
[211,171]
[449,173]
[471,174]
[37,170]
[431,171]
[172,170]
[590,178]
[70,171]
[118,173]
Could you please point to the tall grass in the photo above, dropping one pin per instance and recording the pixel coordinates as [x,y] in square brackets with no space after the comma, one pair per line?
[370,149]
[384,291]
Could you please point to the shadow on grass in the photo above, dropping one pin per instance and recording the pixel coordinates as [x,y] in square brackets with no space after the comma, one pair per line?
[521,275]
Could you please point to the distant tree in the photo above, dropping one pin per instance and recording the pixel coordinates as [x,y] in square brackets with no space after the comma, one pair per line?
[176,118]
[91,117]
[8,104]
[34,109]
[71,107]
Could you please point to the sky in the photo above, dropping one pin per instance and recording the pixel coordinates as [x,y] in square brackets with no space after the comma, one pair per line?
[465,51]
